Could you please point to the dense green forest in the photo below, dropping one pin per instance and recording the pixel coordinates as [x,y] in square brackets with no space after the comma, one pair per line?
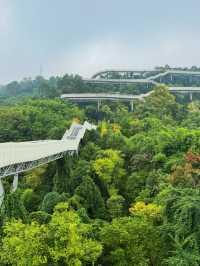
[130,197]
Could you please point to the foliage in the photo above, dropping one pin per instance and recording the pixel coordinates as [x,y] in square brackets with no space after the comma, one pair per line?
[149,211]
[128,241]
[51,200]
[91,199]
[130,197]
[63,241]
[116,206]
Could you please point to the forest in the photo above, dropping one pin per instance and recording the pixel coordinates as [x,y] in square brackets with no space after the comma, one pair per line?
[130,197]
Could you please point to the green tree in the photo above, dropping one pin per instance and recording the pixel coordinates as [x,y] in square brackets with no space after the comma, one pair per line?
[109,167]
[50,200]
[14,207]
[24,244]
[91,199]
[62,176]
[116,206]
[63,241]
[128,241]
[69,244]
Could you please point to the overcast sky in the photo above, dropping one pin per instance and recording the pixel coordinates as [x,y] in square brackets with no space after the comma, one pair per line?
[83,36]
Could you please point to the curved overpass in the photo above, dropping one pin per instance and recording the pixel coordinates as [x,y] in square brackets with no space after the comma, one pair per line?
[119,96]
[103,96]
[128,76]
[98,97]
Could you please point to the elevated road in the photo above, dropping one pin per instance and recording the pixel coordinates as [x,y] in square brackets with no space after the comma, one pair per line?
[17,157]
[98,97]
[102,96]
[185,89]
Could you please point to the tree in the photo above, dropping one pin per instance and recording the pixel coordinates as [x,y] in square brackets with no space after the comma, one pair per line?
[61,178]
[14,208]
[151,212]
[24,244]
[135,184]
[63,241]
[40,217]
[69,244]
[109,167]
[30,199]
[79,171]
[159,104]
[128,241]
[91,199]
[116,206]
[186,252]
[50,200]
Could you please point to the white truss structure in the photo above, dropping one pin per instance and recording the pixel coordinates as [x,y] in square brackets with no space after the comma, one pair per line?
[20,157]
[128,76]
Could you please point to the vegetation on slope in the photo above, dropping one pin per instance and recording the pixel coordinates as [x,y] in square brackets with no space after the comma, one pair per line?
[131,197]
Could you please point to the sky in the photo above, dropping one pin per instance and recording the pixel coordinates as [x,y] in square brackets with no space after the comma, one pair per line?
[56,37]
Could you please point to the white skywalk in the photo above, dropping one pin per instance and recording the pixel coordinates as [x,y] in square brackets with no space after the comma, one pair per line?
[17,157]
[142,76]
[21,152]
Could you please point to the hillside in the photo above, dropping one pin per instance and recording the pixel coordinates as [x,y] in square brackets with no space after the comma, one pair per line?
[131,196]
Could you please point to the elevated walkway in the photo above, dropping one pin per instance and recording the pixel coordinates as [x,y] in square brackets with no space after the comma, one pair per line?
[18,157]
[134,76]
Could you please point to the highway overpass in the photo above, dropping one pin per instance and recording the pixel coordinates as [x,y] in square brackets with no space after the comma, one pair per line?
[99,97]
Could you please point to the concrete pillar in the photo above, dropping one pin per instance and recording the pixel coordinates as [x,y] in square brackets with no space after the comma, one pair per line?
[15,182]
[98,105]
[1,192]
[131,106]
[171,77]
[191,96]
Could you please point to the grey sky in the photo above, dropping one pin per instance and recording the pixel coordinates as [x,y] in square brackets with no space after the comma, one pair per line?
[83,36]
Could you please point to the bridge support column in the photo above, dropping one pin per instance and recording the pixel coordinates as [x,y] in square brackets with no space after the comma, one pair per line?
[98,105]
[1,192]
[131,102]
[191,98]
[15,182]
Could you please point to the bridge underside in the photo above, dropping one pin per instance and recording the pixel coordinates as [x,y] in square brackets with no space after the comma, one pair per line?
[26,166]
